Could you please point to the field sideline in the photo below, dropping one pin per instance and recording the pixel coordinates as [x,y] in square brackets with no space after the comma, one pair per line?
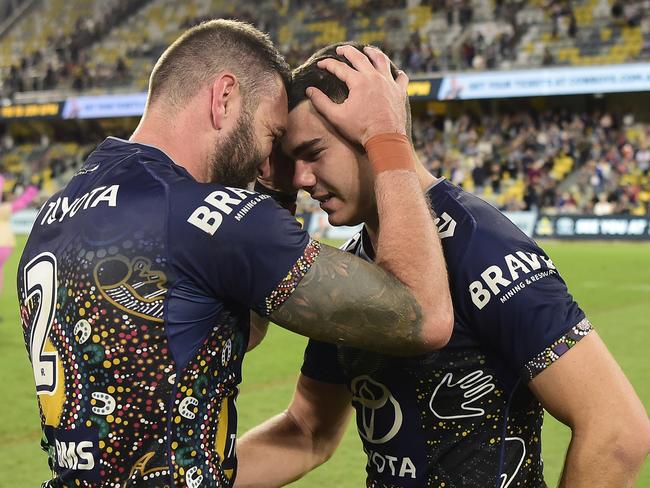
[611,282]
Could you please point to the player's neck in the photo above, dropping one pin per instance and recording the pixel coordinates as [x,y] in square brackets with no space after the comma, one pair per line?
[156,130]
[426,180]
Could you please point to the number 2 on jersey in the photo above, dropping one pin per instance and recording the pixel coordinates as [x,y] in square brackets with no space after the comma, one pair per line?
[41,281]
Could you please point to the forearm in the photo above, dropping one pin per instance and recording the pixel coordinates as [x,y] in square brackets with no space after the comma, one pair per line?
[602,459]
[345,300]
[275,453]
[417,262]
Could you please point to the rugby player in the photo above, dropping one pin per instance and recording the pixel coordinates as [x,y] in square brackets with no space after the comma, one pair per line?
[470,414]
[137,282]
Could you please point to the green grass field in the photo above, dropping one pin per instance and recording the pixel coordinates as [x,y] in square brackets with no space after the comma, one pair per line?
[611,281]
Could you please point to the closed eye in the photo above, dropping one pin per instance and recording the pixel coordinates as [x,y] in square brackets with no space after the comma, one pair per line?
[312,155]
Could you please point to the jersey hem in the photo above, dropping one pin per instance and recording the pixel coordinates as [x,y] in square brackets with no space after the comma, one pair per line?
[553,352]
[290,282]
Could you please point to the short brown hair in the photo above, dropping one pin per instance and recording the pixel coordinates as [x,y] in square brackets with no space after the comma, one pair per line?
[209,48]
[309,74]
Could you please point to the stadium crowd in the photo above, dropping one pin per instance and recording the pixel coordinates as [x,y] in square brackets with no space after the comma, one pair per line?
[558,162]
[62,61]
[436,35]
[555,162]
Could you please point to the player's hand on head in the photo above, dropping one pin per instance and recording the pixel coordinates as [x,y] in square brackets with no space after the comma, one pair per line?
[376,103]
[277,172]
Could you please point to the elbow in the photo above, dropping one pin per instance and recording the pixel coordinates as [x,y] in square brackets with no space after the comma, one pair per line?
[434,332]
[422,329]
[636,445]
[437,326]
[323,452]
[629,444]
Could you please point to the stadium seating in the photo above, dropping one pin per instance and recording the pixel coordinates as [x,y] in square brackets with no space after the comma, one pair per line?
[542,161]
[56,43]
[516,161]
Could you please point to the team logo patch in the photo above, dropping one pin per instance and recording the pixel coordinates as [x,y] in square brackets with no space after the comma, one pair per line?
[132,285]
[446,225]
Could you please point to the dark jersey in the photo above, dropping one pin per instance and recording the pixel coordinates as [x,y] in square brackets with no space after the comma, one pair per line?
[463,416]
[135,287]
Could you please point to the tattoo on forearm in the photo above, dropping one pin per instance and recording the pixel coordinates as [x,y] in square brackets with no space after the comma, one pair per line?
[346,300]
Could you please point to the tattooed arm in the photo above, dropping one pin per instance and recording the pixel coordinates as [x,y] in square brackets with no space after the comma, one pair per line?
[346,300]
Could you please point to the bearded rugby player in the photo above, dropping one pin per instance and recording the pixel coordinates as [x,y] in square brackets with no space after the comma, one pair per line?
[469,415]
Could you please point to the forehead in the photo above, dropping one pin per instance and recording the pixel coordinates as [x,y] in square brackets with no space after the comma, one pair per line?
[304,124]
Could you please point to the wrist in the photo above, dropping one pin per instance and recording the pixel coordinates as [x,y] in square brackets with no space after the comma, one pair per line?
[390,151]
[384,129]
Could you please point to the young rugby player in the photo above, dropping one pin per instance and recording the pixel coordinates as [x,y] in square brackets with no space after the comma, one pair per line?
[469,415]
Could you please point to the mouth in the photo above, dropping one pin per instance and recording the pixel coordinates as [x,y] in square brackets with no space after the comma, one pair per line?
[323,198]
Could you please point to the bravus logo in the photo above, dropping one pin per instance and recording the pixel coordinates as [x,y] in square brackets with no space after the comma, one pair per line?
[498,277]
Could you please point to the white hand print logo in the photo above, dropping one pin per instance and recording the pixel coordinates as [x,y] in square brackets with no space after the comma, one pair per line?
[373,396]
[474,386]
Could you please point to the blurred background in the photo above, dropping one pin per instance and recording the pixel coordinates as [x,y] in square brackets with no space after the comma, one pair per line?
[540,107]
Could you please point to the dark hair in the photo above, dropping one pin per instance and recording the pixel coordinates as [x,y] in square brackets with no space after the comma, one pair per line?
[309,74]
[209,48]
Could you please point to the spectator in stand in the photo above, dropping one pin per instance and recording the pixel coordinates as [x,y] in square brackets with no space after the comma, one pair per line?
[548,58]
[7,209]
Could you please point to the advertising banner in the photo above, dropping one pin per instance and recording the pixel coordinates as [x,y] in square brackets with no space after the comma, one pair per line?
[593,227]
[546,82]
[31,111]
[103,106]
[525,220]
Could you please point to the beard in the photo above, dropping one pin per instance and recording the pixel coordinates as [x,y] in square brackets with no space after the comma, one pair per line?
[236,159]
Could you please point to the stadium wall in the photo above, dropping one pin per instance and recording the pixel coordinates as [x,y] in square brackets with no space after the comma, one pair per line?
[533,224]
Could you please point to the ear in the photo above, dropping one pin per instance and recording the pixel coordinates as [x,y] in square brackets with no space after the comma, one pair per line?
[225,98]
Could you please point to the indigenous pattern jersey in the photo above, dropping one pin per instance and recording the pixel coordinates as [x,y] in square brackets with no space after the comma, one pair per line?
[135,289]
[463,416]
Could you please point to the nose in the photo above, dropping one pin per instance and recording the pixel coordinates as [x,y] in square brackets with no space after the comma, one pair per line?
[303,177]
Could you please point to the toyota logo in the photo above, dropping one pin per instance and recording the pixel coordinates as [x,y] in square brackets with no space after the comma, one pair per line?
[371,398]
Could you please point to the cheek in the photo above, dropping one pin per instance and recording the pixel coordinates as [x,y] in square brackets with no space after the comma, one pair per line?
[366,181]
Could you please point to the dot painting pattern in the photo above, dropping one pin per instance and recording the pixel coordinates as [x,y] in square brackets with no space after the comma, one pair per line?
[155,423]
[290,282]
[553,352]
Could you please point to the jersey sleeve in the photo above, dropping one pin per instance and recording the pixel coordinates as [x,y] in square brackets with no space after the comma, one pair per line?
[240,245]
[514,296]
[321,363]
